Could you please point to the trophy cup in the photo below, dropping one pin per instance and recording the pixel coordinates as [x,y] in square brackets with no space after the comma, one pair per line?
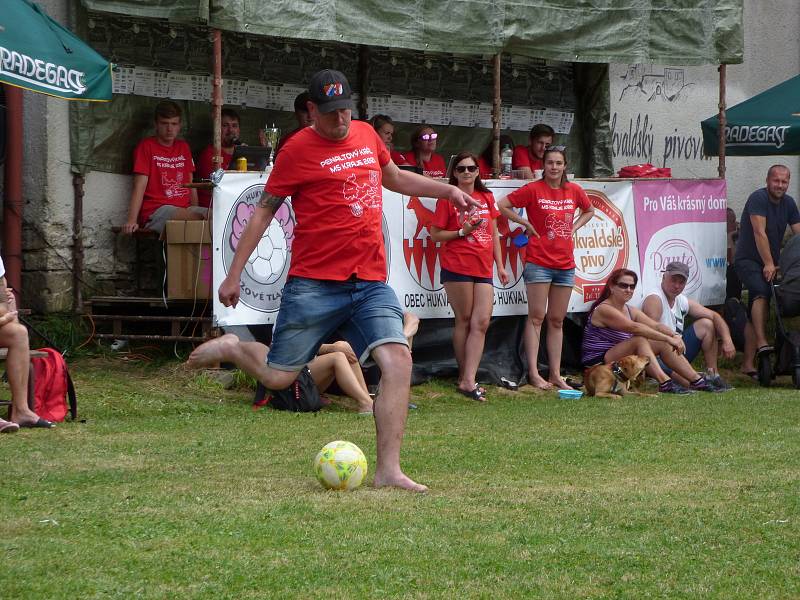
[272,135]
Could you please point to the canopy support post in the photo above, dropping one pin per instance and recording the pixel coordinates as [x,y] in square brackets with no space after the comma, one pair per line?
[12,193]
[216,99]
[77,243]
[496,118]
[723,121]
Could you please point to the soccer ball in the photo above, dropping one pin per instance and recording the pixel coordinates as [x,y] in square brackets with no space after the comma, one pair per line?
[340,466]
[267,262]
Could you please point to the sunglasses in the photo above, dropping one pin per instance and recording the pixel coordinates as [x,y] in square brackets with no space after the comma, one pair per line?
[429,136]
[465,168]
[626,286]
[557,148]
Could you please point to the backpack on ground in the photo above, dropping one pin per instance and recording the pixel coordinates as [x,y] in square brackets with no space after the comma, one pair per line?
[735,315]
[301,396]
[53,392]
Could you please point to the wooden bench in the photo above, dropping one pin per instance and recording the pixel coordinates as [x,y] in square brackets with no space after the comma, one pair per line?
[3,357]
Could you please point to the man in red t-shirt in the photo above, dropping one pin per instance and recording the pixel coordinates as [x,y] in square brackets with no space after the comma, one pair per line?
[302,116]
[529,158]
[162,164]
[229,138]
[334,171]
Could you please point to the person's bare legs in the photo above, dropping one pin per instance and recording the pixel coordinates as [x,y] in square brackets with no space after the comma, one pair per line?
[707,334]
[641,346]
[334,366]
[14,336]
[460,296]
[759,313]
[557,303]
[749,353]
[483,296]
[250,357]
[537,307]
[676,362]
[410,327]
[391,409]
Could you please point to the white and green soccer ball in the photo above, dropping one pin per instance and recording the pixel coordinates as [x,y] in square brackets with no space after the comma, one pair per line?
[340,466]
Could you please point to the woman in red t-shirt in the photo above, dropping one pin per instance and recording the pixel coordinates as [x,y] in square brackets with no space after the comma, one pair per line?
[470,245]
[423,152]
[551,204]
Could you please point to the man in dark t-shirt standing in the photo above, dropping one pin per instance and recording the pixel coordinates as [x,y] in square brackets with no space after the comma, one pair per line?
[766,215]
[334,171]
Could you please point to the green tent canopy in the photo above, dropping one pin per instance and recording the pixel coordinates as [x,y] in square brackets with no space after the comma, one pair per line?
[766,124]
[38,54]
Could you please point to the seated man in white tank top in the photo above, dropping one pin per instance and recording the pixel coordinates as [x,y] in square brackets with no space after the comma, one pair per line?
[668,305]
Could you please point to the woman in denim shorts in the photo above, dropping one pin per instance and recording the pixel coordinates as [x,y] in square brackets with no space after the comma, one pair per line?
[470,244]
[551,205]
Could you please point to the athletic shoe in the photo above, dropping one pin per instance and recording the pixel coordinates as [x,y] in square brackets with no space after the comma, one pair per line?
[704,385]
[718,382]
[670,387]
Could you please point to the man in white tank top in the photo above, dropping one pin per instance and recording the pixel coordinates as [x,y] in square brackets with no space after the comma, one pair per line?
[667,304]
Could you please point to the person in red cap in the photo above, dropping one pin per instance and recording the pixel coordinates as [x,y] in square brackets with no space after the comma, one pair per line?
[334,171]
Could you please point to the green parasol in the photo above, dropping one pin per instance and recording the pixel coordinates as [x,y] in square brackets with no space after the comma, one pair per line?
[38,54]
[766,124]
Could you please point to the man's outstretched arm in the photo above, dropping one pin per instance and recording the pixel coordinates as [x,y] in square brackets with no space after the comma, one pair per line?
[412,184]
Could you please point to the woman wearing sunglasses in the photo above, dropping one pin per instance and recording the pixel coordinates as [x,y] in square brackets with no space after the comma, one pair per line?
[614,329]
[470,245]
[423,152]
[552,205]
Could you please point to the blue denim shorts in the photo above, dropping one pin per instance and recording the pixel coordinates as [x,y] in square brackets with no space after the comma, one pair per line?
[534,273]
[693,347]
[365,313]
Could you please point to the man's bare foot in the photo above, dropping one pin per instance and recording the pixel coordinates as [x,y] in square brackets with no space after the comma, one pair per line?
[561,384]
[399,481]
[538,382]
[212,352]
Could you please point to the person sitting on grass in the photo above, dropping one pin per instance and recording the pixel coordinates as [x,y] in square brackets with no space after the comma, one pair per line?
[14,337]
[615,329]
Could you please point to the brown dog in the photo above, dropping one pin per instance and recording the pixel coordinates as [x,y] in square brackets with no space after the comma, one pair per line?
[618,378]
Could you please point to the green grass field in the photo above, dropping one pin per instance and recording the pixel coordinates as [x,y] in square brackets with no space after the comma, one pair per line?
[174,488]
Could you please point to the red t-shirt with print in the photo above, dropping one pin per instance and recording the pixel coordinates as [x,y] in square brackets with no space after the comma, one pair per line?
[434,167]
[474,253]
[205,168]
[167,169]
[398,157]
[551,212]
[522,157]
[337,199]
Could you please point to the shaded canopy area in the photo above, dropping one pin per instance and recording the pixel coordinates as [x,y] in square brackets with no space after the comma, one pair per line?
[764,125]
[705,32]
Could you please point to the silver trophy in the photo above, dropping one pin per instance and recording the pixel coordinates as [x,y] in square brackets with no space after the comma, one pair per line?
[272,135]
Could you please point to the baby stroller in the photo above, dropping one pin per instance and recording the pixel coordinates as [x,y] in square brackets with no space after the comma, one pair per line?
[786,294]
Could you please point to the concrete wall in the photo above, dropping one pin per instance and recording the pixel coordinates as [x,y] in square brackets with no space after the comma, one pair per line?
[656,110]
[668,104]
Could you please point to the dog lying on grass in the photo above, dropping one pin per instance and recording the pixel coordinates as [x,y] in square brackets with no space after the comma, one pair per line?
[625,376]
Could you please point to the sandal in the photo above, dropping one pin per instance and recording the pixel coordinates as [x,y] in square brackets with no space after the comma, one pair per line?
[473,394]
[764,350]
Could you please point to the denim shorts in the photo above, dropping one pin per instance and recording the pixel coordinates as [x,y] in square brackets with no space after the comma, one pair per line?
[693,347]
[365,313]
[446,276]
[534,273]
[751,274]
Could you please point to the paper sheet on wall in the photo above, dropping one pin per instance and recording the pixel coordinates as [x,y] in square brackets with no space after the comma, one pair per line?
[288,93]
[122,80]
[151,83]
[233,91]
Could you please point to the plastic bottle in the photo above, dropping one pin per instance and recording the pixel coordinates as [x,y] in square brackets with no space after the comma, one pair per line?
[505,162]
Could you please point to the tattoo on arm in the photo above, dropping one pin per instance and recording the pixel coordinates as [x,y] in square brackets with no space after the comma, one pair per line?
[271,202]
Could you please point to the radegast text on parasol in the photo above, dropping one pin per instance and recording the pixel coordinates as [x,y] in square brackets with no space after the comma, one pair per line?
[766,124]
[38,54]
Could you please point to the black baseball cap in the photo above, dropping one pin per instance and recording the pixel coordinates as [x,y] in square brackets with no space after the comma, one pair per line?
[330,91]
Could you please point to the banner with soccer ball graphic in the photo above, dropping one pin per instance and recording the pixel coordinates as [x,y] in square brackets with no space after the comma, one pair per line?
[614,238]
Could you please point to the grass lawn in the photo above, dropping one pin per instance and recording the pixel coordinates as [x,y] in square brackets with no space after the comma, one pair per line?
[174,488]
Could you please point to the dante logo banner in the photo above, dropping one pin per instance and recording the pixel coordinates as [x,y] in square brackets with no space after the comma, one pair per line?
[683,220]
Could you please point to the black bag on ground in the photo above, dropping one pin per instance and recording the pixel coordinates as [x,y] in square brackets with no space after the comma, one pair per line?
[735,316]
[301,396]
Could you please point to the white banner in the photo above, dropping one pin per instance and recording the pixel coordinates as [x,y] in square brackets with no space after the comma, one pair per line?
[607,242]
